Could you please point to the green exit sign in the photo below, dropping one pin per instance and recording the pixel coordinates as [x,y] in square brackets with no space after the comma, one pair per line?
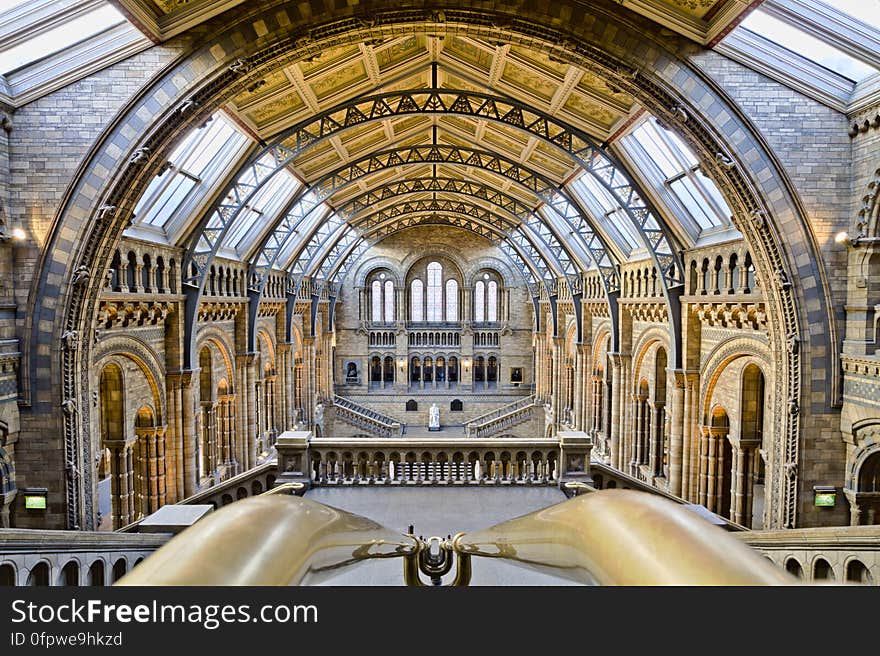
[825,499]
[35,502]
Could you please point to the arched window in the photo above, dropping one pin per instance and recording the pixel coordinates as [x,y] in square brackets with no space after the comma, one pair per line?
[377,301]
[415,301]
[492,301]
[451,300]
[389,301]
[435,292]
[479,301]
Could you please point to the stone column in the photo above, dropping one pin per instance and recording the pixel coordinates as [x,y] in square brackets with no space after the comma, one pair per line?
[737,511]
[616,455]
[189,408]
[676,434]
[173,440]
[161,479]
[703,467]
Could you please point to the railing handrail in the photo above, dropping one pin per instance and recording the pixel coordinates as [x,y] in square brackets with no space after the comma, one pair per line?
[613,537]
[622,537]
[269,540]
[377,417]
[480,420]
[219,488]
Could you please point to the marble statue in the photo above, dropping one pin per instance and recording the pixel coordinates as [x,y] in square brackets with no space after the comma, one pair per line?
[434,418]
[319,414]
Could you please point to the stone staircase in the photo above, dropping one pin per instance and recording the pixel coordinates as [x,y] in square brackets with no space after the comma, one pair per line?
[362,417]
[502,419]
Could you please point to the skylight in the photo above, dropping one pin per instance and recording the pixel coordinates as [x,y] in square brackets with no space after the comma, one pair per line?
[808,46]
[188,167]
[59,38]
[866,11]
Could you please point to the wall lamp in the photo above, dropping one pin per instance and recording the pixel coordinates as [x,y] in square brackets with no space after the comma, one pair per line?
[401,363]
[466,363]
[854,242]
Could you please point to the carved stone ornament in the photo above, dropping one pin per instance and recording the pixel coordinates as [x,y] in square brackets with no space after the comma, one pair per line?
[240,66]
[70,340]
[139,155]
[724,161]
[81,275]
[69,407]
[759,219]
[105,211]
[793,343]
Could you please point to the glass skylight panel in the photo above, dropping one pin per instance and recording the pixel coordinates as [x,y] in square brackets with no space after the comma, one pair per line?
[866,11]
[219,133]
[60,38]
[9,5]
[174,188]
[261,208]
[188,166]
[807,46]
[678,169]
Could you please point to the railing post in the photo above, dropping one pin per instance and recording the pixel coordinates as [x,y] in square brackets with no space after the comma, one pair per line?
[294,460]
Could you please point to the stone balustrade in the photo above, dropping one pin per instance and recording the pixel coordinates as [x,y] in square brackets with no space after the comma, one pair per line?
[841,554]
[71,558]
[436,462]
[498,420]
[364,418]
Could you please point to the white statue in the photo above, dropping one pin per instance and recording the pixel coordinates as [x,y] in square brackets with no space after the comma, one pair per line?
[434,417]
[319,414]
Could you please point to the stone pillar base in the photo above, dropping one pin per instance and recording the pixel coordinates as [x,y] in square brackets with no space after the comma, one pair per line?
[293,458]
[575,448]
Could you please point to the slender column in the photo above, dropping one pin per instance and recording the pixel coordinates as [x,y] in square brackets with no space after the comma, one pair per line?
[711,472]
[118,506]
[616,413]
[129,481]
[190,436]
[737,512]
[655,457]
[676,434]
[161,480]
[704,469]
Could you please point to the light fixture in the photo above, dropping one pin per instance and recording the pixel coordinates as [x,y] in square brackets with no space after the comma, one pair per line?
[18,234]
[466,363]
[844,238]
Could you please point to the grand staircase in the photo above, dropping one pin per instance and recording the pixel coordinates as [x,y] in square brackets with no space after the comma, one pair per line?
[503,418]
[366,419]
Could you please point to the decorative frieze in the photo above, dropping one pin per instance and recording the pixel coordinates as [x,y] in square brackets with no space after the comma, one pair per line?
[113,314]
[742,316]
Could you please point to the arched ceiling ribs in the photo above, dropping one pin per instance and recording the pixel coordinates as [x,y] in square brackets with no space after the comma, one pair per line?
[524,178]
[334,269]
[500,204]
[291,143]
[546,265]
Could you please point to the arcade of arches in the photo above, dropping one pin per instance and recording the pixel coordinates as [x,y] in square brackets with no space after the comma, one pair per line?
[231,220]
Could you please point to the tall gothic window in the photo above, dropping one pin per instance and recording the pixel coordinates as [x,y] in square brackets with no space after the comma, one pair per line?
[376,292]
[479,301]
[389,301]
[451,300]
[435,292]
[492,301]
[415,301]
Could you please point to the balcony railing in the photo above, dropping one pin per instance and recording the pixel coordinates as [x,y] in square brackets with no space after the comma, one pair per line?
[505,417]
[437,462]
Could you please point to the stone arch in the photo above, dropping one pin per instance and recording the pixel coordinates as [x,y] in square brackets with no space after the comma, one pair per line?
[143,355]
[722,356]
[646,73]
[472,269]
[220,340]
[649,339]
[365,267]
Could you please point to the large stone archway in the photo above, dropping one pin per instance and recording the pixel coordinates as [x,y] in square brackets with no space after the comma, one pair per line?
[602,39]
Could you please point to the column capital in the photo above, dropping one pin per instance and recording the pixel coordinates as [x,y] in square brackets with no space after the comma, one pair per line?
[182,377]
